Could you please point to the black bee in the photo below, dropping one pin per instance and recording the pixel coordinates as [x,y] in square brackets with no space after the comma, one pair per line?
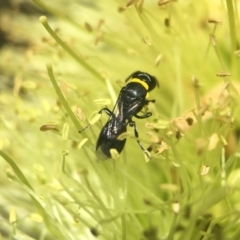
[131,100]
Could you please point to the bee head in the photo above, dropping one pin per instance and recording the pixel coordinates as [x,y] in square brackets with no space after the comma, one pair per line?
[150,80]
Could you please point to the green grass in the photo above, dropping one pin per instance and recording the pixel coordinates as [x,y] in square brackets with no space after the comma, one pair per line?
[57,73]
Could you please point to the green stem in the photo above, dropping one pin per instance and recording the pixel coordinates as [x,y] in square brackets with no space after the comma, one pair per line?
[50,223]
[16,170]
[123,221]
[198,104]
[62,98]
[231,21]
[98,199]
[173,227]
[44,22]
[232,28]
[56,13]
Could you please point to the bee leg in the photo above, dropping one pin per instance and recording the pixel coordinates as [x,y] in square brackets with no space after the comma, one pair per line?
[148,101]
[146,115]
[106,110]
[133,124]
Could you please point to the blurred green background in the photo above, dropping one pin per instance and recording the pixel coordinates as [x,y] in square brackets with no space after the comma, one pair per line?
[52,187]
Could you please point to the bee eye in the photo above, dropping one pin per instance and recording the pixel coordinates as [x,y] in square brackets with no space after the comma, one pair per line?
[153,83]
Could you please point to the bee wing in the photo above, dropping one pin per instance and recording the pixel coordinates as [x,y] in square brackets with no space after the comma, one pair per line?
[115,109]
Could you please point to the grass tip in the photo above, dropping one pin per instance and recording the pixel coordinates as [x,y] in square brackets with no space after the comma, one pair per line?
[43,19]
[49,66]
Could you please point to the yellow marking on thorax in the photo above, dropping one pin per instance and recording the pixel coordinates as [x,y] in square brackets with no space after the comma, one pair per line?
[142,83]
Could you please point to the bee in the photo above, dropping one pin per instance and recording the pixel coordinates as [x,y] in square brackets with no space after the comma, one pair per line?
[131,100]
